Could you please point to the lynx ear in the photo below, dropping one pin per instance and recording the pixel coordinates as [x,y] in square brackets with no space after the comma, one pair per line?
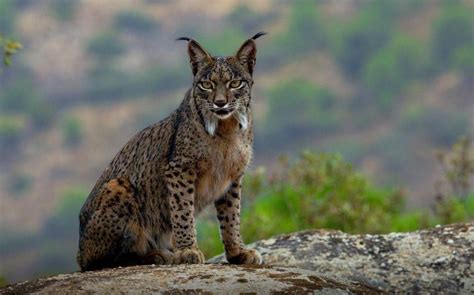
[248,52]
[198,57]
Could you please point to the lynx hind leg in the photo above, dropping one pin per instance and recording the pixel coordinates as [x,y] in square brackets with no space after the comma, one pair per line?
[113,236]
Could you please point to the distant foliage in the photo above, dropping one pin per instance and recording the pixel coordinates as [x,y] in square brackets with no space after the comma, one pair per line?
[109,83]
[442,132]
[453,33]
[64,10]
[21,95]
[305,32]
[298,107]
[72,131]
[11,128]
[135,21]
[247,19]
[19,183]
[7,16]
[356,41]
[106,45]
[391,69]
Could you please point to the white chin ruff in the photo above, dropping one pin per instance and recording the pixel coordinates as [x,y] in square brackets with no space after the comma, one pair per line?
[211,125]
[212,122]
[241,117]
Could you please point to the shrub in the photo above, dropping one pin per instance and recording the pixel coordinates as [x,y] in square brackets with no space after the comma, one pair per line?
[135,21]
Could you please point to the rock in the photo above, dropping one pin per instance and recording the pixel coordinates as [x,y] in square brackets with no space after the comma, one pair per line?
[428,261]
[192,279]
[433,261]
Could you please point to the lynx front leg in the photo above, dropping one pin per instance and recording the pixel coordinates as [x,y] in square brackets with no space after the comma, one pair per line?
[228,213]
[180,183]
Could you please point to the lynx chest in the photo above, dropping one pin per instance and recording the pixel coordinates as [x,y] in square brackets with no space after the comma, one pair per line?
[224,161]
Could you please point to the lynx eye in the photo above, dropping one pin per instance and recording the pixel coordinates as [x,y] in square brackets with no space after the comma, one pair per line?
[236,84]
[205,85]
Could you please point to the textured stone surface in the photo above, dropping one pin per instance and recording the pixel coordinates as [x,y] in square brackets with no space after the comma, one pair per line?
[434,261]
[428,261]
[192,279]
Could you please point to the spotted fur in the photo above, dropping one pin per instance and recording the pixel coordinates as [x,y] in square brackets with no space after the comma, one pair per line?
[142,209]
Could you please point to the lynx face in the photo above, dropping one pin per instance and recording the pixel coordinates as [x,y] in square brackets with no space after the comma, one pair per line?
[222,85]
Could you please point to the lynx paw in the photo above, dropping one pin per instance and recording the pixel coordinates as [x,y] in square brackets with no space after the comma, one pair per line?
[161,257]
[246,256]
[189,256]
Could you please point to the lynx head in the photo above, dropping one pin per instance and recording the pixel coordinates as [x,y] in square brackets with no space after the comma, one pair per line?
[222,84]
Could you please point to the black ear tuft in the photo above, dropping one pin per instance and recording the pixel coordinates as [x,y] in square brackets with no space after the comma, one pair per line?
[198,56]
[183,39]
[259,34]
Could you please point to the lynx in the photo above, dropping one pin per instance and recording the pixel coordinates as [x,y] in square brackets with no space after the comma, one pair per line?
[142,208]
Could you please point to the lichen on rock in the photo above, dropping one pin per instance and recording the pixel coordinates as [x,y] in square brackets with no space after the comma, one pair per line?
[432,261]
[192,279]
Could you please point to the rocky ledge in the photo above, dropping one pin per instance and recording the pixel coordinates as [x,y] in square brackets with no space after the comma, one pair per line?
[434,261]
[192,279]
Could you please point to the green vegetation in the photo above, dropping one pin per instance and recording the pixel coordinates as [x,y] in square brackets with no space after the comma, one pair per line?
[64,10]
[3,282]
[135,21]
[298,108]
[356,41]
[7,16]
[19,183]
[390,70]
[426,121]
[323,191]
[11,128]
[453,32]
[106,46]
[10,47]
[305,32]
[246,19]
[108,83]
[72,131]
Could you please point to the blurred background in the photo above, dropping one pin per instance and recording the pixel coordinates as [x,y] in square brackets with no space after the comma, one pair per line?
[364,112]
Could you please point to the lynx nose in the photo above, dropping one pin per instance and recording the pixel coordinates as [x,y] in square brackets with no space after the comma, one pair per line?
[220,103]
